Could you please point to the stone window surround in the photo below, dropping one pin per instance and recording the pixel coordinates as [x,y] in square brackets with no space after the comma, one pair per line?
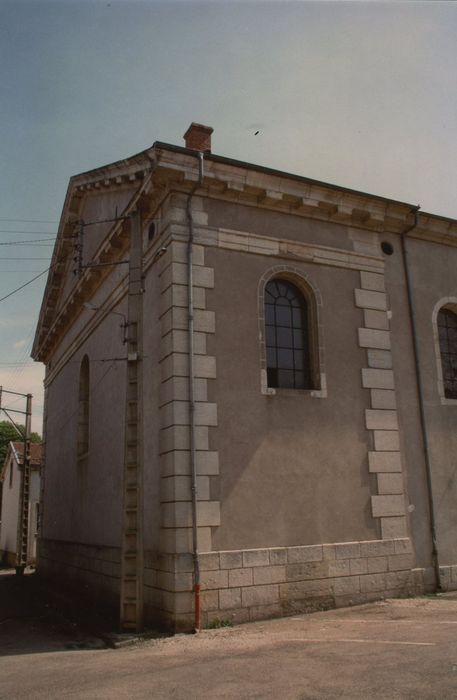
[451,304]
[314,301]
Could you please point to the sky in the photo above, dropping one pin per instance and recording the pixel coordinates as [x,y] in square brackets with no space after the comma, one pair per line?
[359,94]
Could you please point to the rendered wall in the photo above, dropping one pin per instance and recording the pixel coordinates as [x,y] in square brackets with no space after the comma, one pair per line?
[81,514]
[9,515]
[305,499]
[293,475]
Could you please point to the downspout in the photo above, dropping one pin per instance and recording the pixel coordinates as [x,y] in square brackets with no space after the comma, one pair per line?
[428,468]
[193,468]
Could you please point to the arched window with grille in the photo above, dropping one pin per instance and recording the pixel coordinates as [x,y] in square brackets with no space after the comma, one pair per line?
[83,407]
[287,336]
[447,334]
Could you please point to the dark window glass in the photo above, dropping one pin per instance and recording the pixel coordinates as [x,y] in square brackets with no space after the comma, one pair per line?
[83,408]
[286,336]
[447,331]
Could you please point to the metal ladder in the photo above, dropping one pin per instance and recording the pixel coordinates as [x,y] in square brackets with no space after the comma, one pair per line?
[131,598]
[23,520]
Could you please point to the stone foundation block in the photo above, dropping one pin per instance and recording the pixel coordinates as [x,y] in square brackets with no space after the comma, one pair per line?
[305,589]
[269,574]
[230,598]
[256,557]
[241,577]
[209,561]
[214,579]
[346,585]
[259,595]
[209,600]
[278,556]
[297,572]
[399,562]
[231,560]
[304,554]
[358,566]
[377,565]
[347,550]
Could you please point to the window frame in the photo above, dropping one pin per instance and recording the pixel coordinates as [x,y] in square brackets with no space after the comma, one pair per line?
[313,302]
[83,424]
[444,304]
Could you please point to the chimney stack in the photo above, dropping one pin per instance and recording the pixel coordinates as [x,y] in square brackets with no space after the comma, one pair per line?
[198,137]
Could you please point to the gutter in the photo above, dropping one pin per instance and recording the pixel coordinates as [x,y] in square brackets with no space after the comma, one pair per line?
[190,328]
[420,391]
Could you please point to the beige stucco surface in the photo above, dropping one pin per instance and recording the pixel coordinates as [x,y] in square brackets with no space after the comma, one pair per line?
[282,455]
[83,496]
[433,275]
[300,495]
[10,507]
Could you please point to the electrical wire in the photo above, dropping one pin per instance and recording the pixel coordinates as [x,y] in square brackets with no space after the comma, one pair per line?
[18,289]
[30,233]
[38,243]
[31,221]
[75,413]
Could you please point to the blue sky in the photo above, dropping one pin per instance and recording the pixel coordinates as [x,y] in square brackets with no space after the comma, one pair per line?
[361,94]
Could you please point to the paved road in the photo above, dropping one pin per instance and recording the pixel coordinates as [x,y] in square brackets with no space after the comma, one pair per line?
[394,649]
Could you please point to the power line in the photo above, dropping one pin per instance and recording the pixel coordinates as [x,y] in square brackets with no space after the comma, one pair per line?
[38,243]
[32,221]
[25,258]
[74,413]
[10,294]
[30,233]
[15,364]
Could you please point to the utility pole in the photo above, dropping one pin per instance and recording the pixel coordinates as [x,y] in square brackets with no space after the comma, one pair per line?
[131,599]
[22,536]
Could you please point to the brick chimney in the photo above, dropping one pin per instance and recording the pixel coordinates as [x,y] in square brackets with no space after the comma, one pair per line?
[198,137]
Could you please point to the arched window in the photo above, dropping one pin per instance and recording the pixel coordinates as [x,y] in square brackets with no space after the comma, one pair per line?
[288,356]
[447,333]
[83,409]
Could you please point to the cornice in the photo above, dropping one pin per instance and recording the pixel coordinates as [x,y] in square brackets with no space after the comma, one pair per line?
[287,194]
[52,324]
[164,169]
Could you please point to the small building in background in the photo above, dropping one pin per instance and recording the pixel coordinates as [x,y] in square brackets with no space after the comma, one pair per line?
[10,478]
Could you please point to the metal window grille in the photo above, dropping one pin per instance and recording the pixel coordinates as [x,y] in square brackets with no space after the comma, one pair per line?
[447,330]
[286,331]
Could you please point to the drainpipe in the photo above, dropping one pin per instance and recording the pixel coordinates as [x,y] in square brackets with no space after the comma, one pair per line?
[428,468]
[193,469]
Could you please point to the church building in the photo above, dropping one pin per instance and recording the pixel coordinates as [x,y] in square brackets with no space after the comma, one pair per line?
[250,392]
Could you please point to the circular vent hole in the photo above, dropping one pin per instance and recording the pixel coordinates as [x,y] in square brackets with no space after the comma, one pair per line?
[387,248]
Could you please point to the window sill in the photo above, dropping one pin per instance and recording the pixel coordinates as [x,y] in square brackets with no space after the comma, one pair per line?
[448,402]
[312,393]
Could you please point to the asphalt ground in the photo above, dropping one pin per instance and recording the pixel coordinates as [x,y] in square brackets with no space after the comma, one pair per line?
[392,649]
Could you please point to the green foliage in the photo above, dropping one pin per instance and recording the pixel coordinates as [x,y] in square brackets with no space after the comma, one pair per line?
[217,623]
[7,433]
